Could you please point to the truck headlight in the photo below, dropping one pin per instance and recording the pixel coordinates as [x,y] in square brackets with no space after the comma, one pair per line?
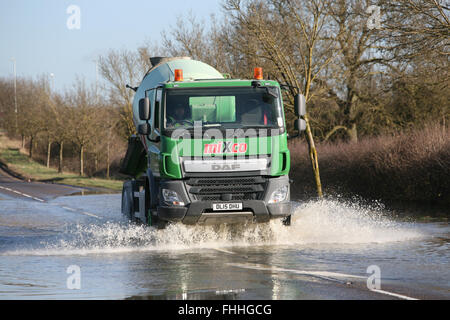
[171,197]
[279,195]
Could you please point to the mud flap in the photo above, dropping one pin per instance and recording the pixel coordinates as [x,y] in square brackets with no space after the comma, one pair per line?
[141,212]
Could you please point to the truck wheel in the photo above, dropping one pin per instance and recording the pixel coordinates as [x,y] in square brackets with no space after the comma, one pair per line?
[127,200]
[287,221]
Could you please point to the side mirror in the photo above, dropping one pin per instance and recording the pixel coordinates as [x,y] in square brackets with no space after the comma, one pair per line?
[144,109]
[300,125]
[300,105]
[144,129]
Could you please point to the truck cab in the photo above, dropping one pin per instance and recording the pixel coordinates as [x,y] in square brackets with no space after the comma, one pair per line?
[209,150]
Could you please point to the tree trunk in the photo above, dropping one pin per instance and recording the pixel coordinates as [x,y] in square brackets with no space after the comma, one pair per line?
[49,145]
[107,160]
[60,163]
[108,146]
[313,157]
[31,148]
[96,162]
[81,160]
[23,141]
[353,133]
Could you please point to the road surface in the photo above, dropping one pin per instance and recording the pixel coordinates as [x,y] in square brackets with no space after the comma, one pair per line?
[56,245]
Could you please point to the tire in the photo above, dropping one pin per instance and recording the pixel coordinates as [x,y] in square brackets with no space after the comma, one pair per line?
[127,201]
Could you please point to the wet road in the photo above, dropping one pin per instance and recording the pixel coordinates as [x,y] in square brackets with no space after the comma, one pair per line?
[325,254]
[13,187]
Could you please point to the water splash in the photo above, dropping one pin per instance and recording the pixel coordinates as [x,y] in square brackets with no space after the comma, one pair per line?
[314,222]
[341,222]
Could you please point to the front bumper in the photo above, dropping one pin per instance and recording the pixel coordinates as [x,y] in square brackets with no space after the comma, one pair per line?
[200,212]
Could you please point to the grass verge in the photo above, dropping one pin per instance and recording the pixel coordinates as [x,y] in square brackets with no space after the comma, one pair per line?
[20,163]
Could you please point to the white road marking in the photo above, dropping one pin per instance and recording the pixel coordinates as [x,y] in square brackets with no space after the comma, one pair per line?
[41,200]
[79,211]
[90,214]
[393,294]
[319,274]
[223,250]
[22,194]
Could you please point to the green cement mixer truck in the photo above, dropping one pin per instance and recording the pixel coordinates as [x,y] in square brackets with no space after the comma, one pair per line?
[208,149]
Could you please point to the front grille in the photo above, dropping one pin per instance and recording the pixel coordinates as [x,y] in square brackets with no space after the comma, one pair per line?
[226,188]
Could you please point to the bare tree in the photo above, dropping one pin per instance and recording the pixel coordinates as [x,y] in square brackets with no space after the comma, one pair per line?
[82,121]
[119,68]
[59,114]
[415,27]
[194,39]
[7,121]
[358,60]
[290,36]
[122,67]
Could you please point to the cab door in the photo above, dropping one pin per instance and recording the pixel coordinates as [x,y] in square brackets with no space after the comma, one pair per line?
[154,138]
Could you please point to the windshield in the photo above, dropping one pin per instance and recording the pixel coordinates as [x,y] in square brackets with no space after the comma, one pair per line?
[230,108]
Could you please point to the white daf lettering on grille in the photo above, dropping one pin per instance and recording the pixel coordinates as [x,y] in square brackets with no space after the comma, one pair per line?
[225,165]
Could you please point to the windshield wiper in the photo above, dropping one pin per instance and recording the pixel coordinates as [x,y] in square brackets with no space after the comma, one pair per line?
[269,90]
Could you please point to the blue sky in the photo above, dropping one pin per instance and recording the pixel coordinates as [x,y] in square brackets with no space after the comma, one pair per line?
[35,33]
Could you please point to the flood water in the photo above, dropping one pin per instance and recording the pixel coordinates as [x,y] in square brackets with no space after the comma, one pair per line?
[324,254]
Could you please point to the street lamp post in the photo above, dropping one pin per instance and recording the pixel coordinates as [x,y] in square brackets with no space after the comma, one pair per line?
[15,91]
[96,81]
[52,75]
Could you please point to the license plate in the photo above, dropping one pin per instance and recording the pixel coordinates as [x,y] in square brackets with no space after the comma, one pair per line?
[227,206]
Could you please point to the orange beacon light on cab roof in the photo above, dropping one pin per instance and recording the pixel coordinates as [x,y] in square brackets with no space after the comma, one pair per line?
[258,74]
[178,74]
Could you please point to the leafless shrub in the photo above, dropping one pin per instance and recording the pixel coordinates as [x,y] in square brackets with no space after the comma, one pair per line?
[412,165]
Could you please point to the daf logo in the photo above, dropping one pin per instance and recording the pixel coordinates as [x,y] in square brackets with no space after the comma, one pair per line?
[224,167]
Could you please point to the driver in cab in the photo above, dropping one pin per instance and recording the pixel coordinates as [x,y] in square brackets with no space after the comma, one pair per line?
[179,116]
